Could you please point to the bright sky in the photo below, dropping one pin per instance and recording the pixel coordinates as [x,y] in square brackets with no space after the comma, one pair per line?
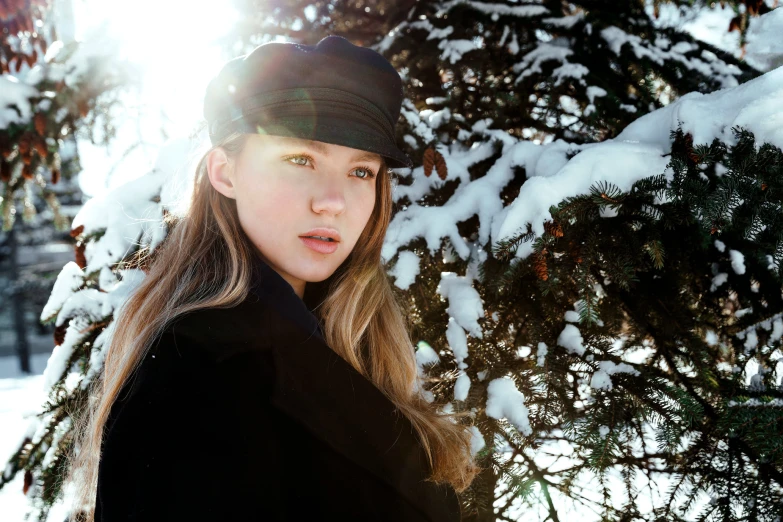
[173,41]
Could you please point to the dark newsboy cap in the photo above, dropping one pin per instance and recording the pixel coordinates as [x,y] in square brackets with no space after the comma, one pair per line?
[335,92]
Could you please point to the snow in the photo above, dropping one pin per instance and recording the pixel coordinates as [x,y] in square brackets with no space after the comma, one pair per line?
[454,49]
[126,217]
[754,105]
[57,365]
[67,62]
[513,45]
[14,92]
[638,152]
[436,118]
[764,43]
[569,71]
[462,387]
[777,403]
[425,355]
[571,339]
[750,334]
[565,22]
[737,261]
[477,442]
[593,91]
[718,279]
[541,354]
[68,281]
[531,62]
[725,73]
[601,379]
[505,401]
[405,270]
[123,215]
[465,304]
[500,9]
[21,398]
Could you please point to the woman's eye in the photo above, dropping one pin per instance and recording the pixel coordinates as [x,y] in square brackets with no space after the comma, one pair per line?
[368,173]
[305,159]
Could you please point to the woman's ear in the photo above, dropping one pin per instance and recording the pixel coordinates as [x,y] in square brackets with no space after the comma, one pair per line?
[220,170]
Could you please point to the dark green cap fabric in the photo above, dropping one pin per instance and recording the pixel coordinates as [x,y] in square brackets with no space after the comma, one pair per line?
[334,91]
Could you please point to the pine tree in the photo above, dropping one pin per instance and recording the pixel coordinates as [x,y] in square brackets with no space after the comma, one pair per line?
[597,322]
[52,88]
[590,247]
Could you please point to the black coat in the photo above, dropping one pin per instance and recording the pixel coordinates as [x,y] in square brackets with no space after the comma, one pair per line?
[246,414]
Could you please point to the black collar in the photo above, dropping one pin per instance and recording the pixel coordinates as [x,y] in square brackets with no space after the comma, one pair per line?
[268,284]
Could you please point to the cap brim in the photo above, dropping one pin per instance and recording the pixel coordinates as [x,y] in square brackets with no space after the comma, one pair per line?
[329,129]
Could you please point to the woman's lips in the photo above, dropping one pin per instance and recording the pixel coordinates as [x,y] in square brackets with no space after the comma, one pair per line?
[319,245]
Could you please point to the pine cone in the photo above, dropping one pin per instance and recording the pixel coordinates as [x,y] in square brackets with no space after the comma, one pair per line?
[84,108]
[81,261]
[28,481]
[440,165]
[40,123]
[428,161]
[754,6]
[553,229]
[24,144]
[734,24]
[77,231]
[5,171]
[540,265]
[27,171]
[573,251]
[39,144]
[55,176]
[59,334]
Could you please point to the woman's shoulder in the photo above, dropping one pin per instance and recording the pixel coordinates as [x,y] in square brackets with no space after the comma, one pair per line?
[197,348]
[202,369]
[182,368]
[215,334]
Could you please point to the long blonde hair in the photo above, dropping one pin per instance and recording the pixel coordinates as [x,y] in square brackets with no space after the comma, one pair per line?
[205,261]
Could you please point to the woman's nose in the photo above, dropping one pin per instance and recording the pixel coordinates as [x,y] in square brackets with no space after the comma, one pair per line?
[329,194]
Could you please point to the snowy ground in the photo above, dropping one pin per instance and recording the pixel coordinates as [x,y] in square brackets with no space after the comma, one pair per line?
[20,397]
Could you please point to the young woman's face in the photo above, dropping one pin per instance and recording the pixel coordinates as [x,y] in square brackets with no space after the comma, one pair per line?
[285,187]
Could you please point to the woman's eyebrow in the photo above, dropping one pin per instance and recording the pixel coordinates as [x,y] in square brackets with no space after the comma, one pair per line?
[322,149]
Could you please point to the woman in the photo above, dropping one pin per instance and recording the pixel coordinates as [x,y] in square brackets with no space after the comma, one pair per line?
[263,370]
